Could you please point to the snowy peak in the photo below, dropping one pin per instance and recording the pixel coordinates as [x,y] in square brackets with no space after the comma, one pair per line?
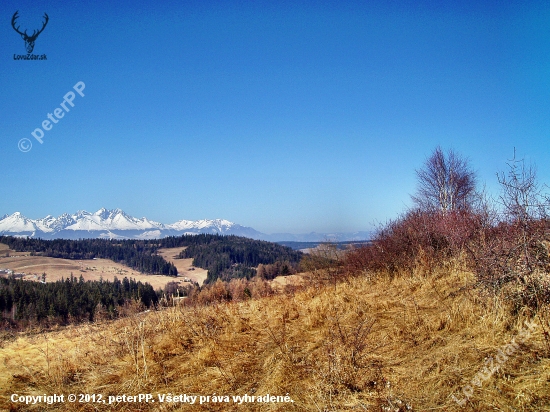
[105,219]
[102,213]
[111,223]
[181,225]
[220,225]
[109,214]
[17,223]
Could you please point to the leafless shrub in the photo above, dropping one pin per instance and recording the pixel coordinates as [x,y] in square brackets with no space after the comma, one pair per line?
[515,249]
[448,213]
[221,291]
[507,241]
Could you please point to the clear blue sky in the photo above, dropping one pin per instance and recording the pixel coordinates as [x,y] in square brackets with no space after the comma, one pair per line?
[291,116]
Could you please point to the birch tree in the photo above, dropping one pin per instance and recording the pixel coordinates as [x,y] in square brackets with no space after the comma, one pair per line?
[446,183]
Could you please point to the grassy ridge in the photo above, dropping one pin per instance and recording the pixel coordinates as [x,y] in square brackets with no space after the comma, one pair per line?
[391,343]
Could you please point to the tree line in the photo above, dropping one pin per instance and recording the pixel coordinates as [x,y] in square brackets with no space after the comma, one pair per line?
[69,300]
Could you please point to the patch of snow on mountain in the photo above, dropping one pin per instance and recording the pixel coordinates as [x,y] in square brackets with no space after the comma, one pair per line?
[151,234]
[109,235]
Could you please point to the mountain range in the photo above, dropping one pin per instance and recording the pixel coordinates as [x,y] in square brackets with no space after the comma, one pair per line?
[116,224]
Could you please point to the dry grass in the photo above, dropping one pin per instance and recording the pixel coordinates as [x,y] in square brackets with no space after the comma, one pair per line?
[280,282]
[57,269]
[184,266]
[384,344]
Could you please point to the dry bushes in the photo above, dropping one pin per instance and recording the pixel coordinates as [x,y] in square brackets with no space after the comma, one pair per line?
[510,251]
[417,240]
[236,290]
[509,256]
[514,252]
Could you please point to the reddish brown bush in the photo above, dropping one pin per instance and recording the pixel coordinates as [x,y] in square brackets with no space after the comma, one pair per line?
[510,251]
[418,237]
[221,291]
[507,241]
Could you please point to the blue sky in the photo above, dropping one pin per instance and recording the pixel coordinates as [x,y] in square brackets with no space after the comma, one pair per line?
[291,116]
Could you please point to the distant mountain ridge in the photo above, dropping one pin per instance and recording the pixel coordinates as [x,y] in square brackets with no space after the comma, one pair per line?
[116,224]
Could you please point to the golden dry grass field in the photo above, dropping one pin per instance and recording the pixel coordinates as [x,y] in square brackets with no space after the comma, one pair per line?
[184,266]
[56,269]
[407,343]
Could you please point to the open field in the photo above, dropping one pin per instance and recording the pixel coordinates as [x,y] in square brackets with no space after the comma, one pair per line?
[56,269]
[185,266]
[6,251]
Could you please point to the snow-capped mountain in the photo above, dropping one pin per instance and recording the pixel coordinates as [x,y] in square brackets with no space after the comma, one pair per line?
[219,224]
[105,219]
[116,224]
[17,223]
[112,224]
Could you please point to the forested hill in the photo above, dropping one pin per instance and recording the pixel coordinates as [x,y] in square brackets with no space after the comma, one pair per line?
[225,257]
[138,254]
[228,257]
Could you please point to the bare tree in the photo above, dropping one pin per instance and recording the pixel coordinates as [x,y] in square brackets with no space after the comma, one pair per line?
[522,196]
[515,246]
[445,183]
[526,209]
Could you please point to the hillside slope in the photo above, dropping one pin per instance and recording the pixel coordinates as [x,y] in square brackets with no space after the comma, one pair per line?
[407,343]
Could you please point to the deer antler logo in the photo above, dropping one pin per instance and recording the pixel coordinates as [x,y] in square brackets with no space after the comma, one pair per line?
[29,40]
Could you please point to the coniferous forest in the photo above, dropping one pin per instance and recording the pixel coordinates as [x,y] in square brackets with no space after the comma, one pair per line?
[229,257]
[75,300]
[69,300]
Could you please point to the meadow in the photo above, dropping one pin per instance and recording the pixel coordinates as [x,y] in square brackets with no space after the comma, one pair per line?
[385,343]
